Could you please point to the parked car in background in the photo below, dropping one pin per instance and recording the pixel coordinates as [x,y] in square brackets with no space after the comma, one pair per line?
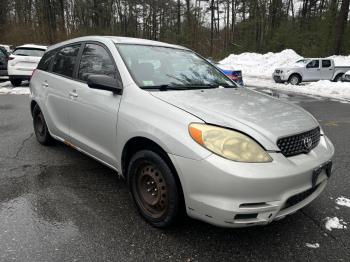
[308,70]
[184,136]
[23,61]
[234,75]
[8,48]
[346,77]
[4,56]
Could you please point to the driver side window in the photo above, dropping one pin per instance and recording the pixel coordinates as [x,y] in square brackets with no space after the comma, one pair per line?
[313,64]
[95,60]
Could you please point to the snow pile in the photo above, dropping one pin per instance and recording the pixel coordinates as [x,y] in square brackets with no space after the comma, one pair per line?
[14,91]
[316,245]
[6,88]
[342,201]
[261,65]
[340,60]
[334,222]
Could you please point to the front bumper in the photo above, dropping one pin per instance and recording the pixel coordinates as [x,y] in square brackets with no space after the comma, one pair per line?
[279,78]
[232,194]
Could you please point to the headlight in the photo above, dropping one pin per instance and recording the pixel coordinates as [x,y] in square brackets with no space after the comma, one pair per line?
[228,144]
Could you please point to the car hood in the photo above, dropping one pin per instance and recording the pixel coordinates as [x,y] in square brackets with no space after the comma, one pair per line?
[241,109]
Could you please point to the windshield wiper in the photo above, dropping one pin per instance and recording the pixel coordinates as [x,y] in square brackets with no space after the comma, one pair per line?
[164,87]
[185,87]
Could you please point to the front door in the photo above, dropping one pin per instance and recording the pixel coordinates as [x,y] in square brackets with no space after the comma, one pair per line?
[312,71]
[93,113]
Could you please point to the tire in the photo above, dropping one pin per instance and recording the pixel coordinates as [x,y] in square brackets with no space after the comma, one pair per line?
[40,128]
[338,78]
[16,82]
[294,79]
[154,189]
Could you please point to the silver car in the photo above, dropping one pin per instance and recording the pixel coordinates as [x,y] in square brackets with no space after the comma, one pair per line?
[184,136]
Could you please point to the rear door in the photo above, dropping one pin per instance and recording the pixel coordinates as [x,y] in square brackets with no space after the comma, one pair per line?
[312,71]
[93,113]
[57,85]
[327,69]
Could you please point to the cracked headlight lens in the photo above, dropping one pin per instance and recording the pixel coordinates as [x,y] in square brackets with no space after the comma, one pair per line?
[228,143]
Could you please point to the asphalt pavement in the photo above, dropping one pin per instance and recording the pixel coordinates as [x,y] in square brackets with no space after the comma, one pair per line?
[57,204]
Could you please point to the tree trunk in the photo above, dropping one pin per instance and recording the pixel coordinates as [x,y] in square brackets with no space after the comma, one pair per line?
[340,26]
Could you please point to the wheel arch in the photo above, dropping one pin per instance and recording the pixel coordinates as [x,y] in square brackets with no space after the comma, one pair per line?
[338,75]
[138,143]
[33,103]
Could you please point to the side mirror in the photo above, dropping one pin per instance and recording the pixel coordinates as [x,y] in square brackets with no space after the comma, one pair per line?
[103,82]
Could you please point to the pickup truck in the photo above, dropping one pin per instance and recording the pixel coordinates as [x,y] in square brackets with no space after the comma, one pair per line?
[308,70]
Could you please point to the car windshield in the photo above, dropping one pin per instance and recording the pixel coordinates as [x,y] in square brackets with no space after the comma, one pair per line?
[29,52]
[303,61]
[170,68]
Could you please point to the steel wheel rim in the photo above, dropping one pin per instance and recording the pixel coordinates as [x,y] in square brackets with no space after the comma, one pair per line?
[151,190]
[294,80]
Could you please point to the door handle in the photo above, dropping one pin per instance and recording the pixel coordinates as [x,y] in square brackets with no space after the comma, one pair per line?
[45,85]
[73,94]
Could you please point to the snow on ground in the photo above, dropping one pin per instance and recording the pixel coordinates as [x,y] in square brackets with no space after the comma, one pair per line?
[257,70]
[316,245]
[324,88]
[342,201]
[7,88]
[335,223]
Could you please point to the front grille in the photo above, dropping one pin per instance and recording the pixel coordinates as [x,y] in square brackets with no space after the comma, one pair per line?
[296,199]
[300,143]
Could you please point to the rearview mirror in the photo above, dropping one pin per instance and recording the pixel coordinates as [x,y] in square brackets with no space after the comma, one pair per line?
[103,82]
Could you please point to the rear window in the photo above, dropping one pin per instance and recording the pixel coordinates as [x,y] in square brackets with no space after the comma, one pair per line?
[326,63]
[45,61]
[29,52]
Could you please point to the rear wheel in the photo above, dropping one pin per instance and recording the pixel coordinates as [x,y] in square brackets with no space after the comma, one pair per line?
[154,188]
[338,78]
[16,82]
[40,128]
[294,79]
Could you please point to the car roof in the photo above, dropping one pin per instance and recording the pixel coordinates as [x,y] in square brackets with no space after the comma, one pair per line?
[117,40]
[32,46]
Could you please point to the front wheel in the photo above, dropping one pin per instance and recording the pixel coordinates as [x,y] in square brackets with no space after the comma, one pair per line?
[294,79]
[154,188]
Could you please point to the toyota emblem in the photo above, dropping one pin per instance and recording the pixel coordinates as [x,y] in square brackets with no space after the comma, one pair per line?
[307,143]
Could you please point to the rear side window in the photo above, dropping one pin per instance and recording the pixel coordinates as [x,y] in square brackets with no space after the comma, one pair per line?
[65,59]
[45,61]
[29,52]
[95,60]
[326,63]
